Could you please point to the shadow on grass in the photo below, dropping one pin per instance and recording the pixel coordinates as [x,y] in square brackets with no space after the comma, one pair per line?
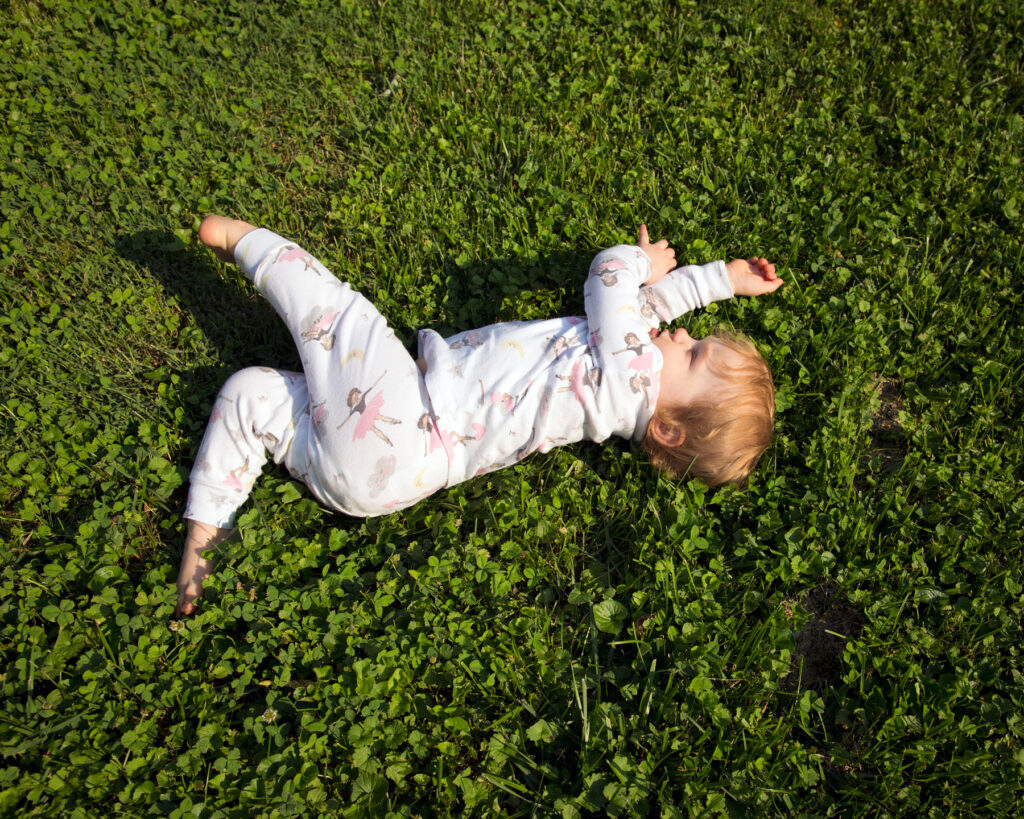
[239,325]
[817,655]
[505,289]
[244,329]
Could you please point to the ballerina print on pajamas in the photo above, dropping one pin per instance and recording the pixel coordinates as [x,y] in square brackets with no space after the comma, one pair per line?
[354,370]
[370,433]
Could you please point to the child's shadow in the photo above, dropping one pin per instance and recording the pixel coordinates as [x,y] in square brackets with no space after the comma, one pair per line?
[239,326]
[508,289]
[244,330]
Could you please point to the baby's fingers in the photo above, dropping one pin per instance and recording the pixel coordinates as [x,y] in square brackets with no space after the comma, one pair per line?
[762,267]
[771,283]
[643,238]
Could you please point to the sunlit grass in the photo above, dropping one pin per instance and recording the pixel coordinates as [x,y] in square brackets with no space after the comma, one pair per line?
[575,636]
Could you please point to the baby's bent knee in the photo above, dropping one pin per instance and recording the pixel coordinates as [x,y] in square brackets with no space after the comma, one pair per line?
[253,382]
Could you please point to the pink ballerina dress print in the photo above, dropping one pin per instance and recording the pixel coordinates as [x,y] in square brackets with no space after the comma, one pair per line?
[232,479]
[317,327]
[368,412]
[434,437]
[646,379]
[641,361]
[580,380]
[292,253]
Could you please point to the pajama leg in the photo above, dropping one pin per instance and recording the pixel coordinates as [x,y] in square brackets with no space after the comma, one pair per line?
[370,447]
[259,411]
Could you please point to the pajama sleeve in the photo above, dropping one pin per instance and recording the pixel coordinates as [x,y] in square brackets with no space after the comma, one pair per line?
[684,290]
[618,331]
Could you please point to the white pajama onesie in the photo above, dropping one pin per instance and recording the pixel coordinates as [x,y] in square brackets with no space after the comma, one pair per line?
[368,433]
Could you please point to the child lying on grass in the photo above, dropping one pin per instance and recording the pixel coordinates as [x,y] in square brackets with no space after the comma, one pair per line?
[369,430]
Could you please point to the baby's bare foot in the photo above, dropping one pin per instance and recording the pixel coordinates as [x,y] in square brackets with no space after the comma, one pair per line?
[221,234]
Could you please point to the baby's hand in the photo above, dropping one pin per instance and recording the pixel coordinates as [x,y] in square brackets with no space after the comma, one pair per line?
[753,276]
[663,257]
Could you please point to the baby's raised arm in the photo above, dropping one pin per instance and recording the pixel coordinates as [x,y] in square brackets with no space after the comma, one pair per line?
[686,288]
[662,256]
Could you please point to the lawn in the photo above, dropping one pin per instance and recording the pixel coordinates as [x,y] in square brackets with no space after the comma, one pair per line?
[575,636]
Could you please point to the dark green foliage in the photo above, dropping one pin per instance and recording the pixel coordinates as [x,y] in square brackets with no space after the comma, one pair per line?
[574,636]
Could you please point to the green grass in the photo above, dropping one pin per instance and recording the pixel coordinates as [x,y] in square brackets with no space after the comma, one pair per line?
[573,636]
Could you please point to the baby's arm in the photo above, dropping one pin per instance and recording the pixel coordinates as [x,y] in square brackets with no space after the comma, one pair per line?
[633,288]
[611,298]
[691,286]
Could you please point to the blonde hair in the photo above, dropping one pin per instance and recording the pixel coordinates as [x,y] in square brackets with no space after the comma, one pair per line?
[725,434]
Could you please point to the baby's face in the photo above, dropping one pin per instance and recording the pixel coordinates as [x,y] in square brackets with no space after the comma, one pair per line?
[686,377]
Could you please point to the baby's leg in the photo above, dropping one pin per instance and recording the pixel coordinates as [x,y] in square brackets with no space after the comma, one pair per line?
[258,411]
[367,398]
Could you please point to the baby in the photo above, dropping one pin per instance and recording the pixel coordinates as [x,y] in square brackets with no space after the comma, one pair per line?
[369,430]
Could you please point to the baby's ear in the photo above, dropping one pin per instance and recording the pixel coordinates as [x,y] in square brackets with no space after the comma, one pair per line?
[666,434]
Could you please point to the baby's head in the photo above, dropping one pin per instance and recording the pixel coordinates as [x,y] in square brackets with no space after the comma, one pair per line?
[716,408]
